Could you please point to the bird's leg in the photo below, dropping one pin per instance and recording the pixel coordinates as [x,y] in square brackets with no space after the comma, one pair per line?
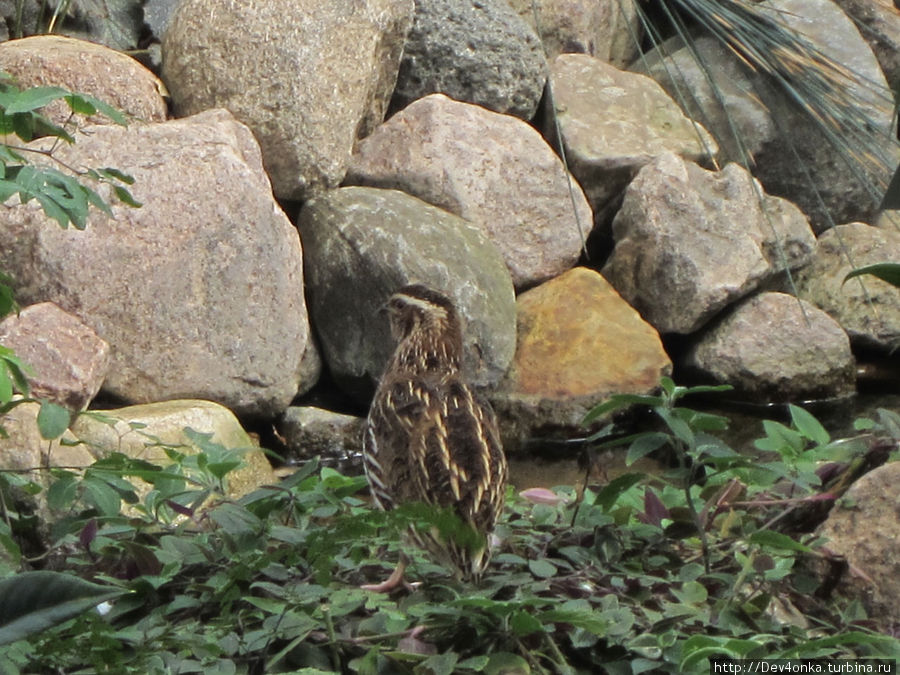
[392,581]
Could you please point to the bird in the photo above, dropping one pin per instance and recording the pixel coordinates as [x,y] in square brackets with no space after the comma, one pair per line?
[430,437]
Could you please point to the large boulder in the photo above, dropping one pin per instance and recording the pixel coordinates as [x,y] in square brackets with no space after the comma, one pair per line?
[308,77]
[775,347]
[67,361]
[793,155]
[613,122]
[493,170]
[689,242]
[361,244]
[87,68]
[479,51]
[199,292]
[867,307]
[740,122]
[146,431]
[578,343]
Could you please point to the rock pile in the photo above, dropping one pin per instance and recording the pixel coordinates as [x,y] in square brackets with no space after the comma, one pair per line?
[281,208]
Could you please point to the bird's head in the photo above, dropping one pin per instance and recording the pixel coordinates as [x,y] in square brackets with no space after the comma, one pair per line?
[417,308]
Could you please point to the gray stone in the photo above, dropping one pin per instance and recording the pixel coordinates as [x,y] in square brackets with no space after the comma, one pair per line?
[68,361]
[311,432]
[729,111]
[478,51]
[613,122]
[867,307]
[308,77]
[601,28]
[199,292]
[775,347]
[792,155]
[361,244]
[88,68]
[864,528]
[689,242]
[157,14]
[879,24]
[493,170]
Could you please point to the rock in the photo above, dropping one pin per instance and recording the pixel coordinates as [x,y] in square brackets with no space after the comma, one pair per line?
[613,122]
[21,17]
[361,244]
[200,291]
[68,360]
[310,432]
[866,307]
[308,77]
[879,24]
[22,447]
[494,170]
[727,110]
[602,29]
[578,342]
[863,528]
[88,68]
[792,155]
[478,51]
[23,450]
[143,432]
[689,242]
[157,14]
[774,347]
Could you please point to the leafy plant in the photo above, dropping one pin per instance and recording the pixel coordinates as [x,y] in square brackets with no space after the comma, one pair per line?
[64,197]
[644,573]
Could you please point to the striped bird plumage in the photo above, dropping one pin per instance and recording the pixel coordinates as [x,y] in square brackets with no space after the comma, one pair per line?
[429,437]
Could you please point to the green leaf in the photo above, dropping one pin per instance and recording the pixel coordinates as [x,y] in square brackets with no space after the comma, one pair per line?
[610,492]
[52,420]
[587,619]
[542,569]
[34,98]
[124,196]
[525,623]
[618,402]
[809,426]
[31,602]
[644,444]
[889,272]
[504,663]
[771,539]
[101,495]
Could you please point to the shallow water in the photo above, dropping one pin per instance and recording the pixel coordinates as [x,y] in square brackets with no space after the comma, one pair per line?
[745,427]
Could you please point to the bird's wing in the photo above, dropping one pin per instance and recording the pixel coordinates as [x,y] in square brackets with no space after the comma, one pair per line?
[456,456]
[395,413]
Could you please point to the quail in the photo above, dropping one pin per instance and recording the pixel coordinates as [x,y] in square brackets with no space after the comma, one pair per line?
[430,437]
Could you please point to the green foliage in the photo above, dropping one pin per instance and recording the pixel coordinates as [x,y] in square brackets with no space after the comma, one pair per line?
[889,272]
[641,574]
[31,602]
[63,196]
